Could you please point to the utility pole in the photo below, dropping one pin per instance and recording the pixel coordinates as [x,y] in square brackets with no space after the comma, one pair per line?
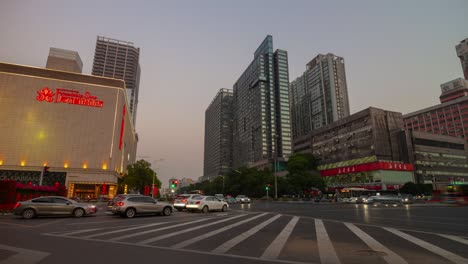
[276,168]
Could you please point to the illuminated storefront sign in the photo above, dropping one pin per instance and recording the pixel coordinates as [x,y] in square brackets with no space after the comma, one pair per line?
[68,97]
[379,165]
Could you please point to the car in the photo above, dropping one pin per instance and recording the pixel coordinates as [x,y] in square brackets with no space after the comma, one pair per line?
[206,204]
[220,197]
[383,199]
[362,199]
[51,206]
[242,199]
[407,199]
[116,198]
[181,200]
[231,200]
[133,205]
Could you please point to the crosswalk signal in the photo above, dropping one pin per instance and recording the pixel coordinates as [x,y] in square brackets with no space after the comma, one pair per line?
[267,187]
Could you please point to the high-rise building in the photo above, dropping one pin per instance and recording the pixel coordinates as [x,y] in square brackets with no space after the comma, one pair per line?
[119,59]
[462,53]
[261,127]
[320,96]
[64,60]
[218,135]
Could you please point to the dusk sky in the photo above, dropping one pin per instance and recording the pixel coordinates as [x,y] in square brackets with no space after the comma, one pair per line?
[397,53]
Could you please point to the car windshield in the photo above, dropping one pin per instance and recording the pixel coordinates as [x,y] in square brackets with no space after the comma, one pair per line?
[198,197]
[241,196]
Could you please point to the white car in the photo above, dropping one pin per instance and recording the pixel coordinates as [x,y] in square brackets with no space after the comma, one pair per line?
[206,204]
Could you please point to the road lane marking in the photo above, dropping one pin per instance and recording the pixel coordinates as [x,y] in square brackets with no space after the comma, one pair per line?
[326,250]
[124,230]
[434,249]
[156,230]
[147,241]
[455,238]
[214,232]
[391,257]
[274,249]
[24,256]
[233,242]
[79,231]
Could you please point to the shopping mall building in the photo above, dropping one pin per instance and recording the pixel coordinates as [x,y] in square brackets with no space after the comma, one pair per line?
[76,124]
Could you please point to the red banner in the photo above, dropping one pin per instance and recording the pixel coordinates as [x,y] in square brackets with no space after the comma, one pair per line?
[379,165]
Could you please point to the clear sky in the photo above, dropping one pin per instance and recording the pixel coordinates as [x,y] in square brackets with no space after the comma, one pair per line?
[397,53]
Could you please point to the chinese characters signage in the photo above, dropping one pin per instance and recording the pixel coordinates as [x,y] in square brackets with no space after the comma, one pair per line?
[379,165]
[68,97]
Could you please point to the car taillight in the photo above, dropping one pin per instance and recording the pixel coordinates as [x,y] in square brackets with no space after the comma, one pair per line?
[198,202]
[120,204]
[17,205]
[184,200]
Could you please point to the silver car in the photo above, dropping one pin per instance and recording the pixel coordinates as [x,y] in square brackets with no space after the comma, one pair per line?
[130,206]
[242,199]
[53,205]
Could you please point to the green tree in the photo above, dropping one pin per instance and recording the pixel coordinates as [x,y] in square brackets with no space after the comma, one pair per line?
[140,175]
[303,174]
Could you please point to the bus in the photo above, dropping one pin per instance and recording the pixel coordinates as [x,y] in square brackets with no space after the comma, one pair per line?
[456,193]
[351,194]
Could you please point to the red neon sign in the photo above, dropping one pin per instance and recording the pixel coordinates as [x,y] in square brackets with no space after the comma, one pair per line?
[68,97]
[379,165]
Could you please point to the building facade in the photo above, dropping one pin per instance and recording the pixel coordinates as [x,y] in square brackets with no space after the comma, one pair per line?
[462,53]
[76,124]
[64,60]
[449,118]
[361,150]
[438,160]
[262,127]
[320,96]
[119,59]
[218,135]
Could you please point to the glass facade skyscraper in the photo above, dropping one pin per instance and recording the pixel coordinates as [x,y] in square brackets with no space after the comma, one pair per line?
[120,60]
[218,136]
[320,96]
[261,125]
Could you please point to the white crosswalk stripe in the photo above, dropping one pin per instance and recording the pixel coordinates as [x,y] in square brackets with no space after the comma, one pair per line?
[326,250]
[233,242]
[434,249]
[123,230]
[147,241]
[81,231]
[274,249]
[455,238]
[212,233]
[156,230]
[390,256]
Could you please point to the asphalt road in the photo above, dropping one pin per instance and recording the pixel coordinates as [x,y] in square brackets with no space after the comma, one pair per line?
[257,233]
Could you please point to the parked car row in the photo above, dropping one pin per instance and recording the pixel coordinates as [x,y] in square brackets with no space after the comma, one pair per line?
[125,205]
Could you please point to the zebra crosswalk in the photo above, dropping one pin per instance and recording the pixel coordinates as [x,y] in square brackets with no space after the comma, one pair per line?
[288,239]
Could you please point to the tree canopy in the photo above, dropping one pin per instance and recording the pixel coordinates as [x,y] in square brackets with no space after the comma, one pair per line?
[140,175]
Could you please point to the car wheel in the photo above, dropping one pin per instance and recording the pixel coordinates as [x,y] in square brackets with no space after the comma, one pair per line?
[179,209]
[205,209]
[224,208]
[130,213]
[167,211]
[28,213]
[78,212]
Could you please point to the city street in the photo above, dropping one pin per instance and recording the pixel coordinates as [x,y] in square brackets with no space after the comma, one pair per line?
[262,232]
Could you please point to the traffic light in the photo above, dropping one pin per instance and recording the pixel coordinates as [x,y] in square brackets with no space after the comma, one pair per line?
[176,183]
[267,187]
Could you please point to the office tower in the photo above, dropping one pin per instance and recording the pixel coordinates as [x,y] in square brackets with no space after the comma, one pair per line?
[218,136]
[64,60]
[119,59]
[320,96]
[261,128]
[462,53]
